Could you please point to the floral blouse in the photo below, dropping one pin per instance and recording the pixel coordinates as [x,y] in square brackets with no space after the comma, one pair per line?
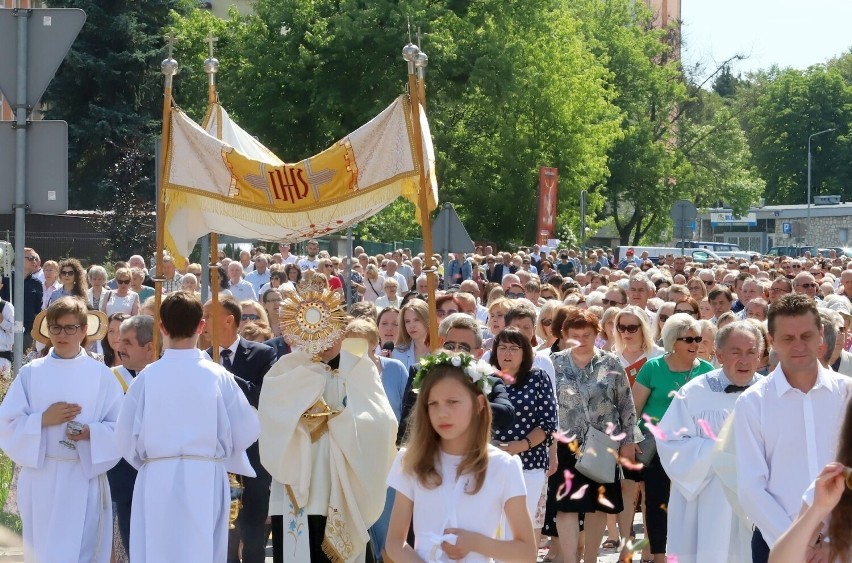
[535,407]
[604,387]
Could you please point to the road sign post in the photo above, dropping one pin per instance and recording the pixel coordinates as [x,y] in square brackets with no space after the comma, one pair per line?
[684,213]
[449,235]
[40,39]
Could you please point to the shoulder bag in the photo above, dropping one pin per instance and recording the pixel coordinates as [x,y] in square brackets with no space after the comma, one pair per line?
[648,445]
[596,459]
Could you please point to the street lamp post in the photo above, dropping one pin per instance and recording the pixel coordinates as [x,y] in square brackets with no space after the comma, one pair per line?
[808,222]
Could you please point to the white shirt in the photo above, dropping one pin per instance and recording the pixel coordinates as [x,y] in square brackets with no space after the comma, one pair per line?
[7,324]
[243,291]
[447,506]
[783,440]
[291,259]
[308,264]
[403,285]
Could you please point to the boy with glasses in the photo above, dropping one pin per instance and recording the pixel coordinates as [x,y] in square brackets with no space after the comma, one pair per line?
[63,492]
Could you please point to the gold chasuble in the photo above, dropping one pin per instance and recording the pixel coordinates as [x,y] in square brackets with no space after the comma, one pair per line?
[328,440]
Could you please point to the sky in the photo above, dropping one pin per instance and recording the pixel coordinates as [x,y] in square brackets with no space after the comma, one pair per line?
[789,33]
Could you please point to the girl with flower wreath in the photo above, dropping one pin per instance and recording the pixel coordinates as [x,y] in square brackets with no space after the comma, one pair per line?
[450,481]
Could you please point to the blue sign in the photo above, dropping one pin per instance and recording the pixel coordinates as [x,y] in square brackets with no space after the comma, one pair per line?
[787,228]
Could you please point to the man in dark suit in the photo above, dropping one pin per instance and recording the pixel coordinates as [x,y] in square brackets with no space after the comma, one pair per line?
[279,345]
[33,289]
[500,270]
[248,361]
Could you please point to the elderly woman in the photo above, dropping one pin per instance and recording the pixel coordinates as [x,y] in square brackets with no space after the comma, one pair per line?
[373,284]
[123,299]
[252,312]
[189,283]
[665,311]
[591,390]
[652,394]
[697,289]
[137,276]
[707,348]
[544,324]
[51,281]
[391,297]
[97,278]
[497,310]
[607,331]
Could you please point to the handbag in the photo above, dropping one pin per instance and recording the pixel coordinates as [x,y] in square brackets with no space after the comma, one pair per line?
[595,459]
[648,445]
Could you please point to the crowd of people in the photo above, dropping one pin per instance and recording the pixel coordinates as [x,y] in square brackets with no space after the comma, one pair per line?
[569,391]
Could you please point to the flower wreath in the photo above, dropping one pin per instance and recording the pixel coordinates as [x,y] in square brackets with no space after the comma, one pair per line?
[477,370]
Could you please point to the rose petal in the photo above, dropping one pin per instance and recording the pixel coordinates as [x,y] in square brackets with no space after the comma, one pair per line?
[602,500]
[560,436]
[705,427]
[579,493]
[658,432]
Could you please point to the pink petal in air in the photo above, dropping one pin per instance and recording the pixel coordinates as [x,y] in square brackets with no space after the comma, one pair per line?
[705,427]
[658,432]
[580,492]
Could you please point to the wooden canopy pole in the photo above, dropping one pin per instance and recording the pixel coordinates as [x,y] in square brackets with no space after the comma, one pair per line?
[411,53]
[169,68]
[211,67]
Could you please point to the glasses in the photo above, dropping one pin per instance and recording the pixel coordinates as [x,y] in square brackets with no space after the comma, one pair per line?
[547,322]
[68,329]
[329,265]
[690,339]
[687,311]
[122,282]
[796,266]
[777,290]
[709,283]
[663,318]
[444,313]
[627,328]
[66,273]
[807,285]
[548,296]
[457,347]
[693,287]
[608,302]
[512,295]
[503,349]
[249,317]
[30,258]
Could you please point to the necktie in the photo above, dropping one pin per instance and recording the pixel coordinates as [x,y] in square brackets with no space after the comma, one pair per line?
[225,354]
[735,388]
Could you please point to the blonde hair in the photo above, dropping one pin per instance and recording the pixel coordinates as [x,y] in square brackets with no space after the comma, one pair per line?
[363,328]
[644,328]
[423,442]
[421,309]
[261,312]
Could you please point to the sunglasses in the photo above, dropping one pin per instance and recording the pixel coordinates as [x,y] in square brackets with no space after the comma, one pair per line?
[547,296]
[608,302]
[687,311]
[30,258]
[443,313]
[511,295]
[456,347]
[796,266]
[663,318]
[249,317]
[627,328]
[808,285]
[66,273]
[709,283]
[122,282]
[547,322]
[690,339]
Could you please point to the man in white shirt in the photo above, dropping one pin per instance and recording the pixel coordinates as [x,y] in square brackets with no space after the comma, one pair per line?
[241,290]
[310,262]
[286,257]
[7,336]
[786,425]
[391,272]
[260,275]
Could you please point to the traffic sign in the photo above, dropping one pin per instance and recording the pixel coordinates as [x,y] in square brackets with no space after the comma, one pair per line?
[50,33]
[787,228]
[683,210]
[47,167]
[448,233]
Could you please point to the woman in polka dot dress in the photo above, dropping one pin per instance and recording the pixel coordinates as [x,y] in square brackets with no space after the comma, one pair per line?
[531,393]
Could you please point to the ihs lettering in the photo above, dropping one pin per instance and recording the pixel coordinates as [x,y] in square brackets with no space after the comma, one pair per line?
[288,183]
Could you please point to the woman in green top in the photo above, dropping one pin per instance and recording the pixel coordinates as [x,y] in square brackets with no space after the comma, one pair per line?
[652,394]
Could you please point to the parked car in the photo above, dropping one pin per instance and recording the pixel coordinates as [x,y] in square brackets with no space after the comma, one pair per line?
[791,251]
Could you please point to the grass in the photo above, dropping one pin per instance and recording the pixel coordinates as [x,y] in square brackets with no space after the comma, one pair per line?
[7,467]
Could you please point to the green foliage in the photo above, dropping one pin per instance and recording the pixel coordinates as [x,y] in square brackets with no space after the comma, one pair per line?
[396,222]
[109,89]
[781,109]
[510,88]
[128,220]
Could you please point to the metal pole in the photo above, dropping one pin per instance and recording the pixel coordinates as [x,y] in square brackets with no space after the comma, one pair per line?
[349,258]
[808,220]
[583,196]
[205,272]
[446,249]
[20,185]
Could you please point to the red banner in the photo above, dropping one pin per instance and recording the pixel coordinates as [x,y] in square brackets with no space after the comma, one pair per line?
[547,181]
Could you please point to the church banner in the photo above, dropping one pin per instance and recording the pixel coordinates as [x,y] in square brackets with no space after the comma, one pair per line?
[547,181]
[236,186]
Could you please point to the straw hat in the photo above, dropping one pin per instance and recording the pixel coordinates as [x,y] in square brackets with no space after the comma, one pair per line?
[96,325]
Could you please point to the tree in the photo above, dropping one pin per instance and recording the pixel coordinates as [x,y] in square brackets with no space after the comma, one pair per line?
[781,109]
[309,73]
[109,90]
[129,219]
